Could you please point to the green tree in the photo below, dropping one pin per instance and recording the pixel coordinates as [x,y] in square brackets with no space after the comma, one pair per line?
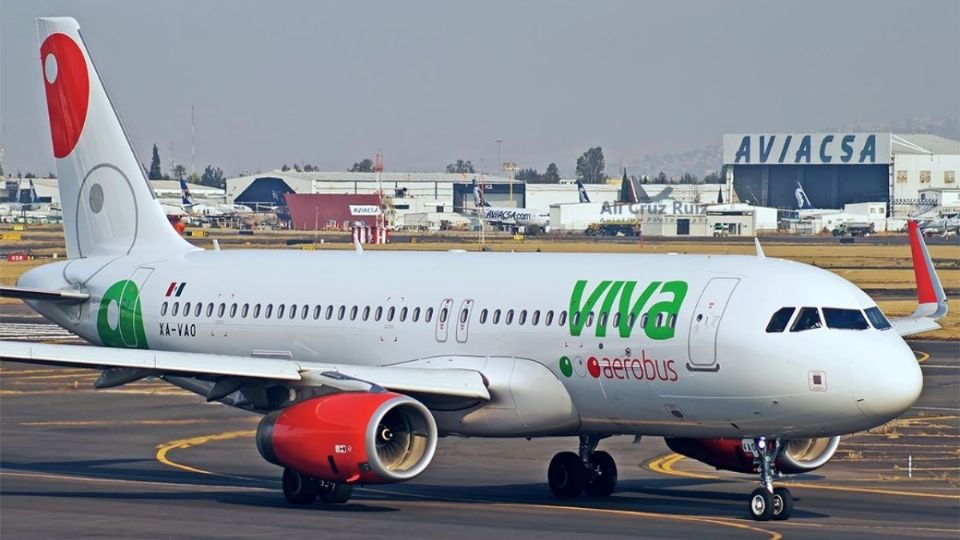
[178,171]
[364,165]
[30,175]
[530,176]
[213,177]
[155,172]
[712,178]
[661,178]
[590,166]
[552,176]
[461,166]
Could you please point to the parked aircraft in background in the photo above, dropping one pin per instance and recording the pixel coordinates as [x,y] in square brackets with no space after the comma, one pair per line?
[507,217]
[727,357]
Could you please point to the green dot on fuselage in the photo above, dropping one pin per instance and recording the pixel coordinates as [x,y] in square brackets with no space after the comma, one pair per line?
[566,367]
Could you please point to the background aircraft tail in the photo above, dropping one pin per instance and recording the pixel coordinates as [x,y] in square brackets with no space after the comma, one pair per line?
[803,202]
[185,193]
[109,208]
[584,198]
[478,199]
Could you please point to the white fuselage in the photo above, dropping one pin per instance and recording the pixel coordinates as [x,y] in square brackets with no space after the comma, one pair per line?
[514,216]
[720,374]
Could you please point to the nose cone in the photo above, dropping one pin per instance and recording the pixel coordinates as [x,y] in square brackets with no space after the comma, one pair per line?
[892,386]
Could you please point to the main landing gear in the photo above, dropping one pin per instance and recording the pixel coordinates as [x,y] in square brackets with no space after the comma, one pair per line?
[301,489]
[768,502]
[592,472]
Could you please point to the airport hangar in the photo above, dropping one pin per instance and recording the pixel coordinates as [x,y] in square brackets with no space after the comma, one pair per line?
[836,169]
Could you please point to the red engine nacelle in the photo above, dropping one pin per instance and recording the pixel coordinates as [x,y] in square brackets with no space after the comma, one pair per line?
[368,437]
[799,455]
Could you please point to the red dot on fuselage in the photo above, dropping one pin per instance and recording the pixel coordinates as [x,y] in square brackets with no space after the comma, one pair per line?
[67,85]
[593,366]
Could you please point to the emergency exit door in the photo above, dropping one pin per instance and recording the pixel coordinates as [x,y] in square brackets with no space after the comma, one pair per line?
[706,323]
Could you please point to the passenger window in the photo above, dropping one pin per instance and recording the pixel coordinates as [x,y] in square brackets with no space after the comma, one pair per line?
[280,310]
[390,311]
[209,310]
[353,313]
[562,319]
[403,314]
[673,321]
[197,308]
[509,318]
[221,310]
[463,316]
[378,313]
[548,320]
[845,319]
[602,319]
[366,312]
[483,316]
[341,312]
[176,309]
[808,319]
[245,311]
[233,310]
[256,311]
[496,316]
[780,319]
[186,309]
[877,318]
[316,312]
[268,312]
[304,311]
[293,311]
[429,315]
[523,317]
[659,319]
[644,319]
[329,312]
[616,319]
[575,318]
[163,309]
[590,319]
[443,315]
[536,318]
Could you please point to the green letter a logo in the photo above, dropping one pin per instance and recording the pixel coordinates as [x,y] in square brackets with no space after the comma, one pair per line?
[127,331]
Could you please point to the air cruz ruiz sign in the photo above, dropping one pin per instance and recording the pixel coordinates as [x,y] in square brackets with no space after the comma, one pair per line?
[806,149]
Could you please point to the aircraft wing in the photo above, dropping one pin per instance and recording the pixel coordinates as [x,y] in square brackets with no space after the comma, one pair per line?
[931,298]
[445,382]
[26,293]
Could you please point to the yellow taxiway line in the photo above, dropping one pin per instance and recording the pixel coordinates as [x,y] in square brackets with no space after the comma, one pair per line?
[665,465]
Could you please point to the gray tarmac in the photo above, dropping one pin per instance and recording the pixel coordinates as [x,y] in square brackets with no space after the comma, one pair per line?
[148,460]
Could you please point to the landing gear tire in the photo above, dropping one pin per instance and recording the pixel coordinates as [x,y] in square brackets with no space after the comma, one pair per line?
[337,493]
[299,488]
[761,504]
[603,480]
[566,476]
[782,503]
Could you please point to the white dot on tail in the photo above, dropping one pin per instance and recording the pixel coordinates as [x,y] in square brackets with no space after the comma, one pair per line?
[50,68]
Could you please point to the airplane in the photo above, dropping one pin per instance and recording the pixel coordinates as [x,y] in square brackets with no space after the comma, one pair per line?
[509,217]
[204,210]
[724,356]
[945,226]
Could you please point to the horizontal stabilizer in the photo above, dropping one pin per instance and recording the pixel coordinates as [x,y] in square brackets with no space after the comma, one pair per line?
[909,326]
[62,297]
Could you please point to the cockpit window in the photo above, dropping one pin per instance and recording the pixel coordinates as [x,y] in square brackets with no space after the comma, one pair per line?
[808,319]
[845,319]
[877,319]
[778,323]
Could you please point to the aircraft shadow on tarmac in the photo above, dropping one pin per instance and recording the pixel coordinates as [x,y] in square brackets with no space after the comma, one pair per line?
[677,496]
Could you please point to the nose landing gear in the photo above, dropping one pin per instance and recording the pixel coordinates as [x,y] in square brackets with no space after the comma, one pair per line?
[592,472]
[767,502]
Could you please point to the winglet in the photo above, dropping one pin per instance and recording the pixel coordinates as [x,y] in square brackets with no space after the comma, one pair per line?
[931,298]
[760,254]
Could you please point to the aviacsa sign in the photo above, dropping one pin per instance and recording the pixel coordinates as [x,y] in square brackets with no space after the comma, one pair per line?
[806,149]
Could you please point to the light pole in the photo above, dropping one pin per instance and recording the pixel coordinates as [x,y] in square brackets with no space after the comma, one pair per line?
[499,161]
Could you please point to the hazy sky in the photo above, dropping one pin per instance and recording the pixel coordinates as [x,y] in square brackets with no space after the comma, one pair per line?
[329,83]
